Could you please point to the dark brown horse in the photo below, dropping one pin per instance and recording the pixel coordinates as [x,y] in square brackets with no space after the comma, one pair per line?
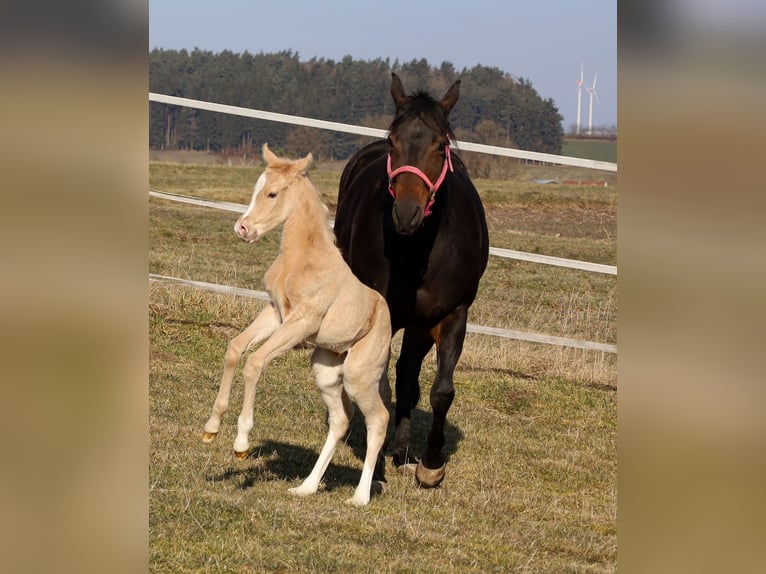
[411,225]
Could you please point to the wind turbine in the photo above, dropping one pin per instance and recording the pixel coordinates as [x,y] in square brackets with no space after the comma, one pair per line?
[592,92]
[579,98]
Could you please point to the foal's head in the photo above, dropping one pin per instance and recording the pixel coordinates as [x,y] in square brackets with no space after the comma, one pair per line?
[419,155]
[273,196]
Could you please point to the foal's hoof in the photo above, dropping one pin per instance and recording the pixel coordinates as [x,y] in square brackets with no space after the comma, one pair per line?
[208,436]
[429,477]
[243,455]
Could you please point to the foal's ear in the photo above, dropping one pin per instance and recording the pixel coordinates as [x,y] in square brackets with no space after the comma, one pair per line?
[302,165]
[450,97]
[397,92]
[268,155]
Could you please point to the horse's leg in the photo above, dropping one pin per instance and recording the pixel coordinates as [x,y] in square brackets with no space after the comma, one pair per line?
[291,332]
[264,325]
[328,368]
[384,389]
[449,336]
[415,346]
[364,364]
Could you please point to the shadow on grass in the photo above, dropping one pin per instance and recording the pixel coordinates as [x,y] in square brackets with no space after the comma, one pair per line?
[276,460]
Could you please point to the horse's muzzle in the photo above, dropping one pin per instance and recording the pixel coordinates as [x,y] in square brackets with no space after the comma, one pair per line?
[244,233]
[407,216]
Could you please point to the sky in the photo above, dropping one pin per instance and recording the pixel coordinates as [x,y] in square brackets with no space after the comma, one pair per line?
[543,41]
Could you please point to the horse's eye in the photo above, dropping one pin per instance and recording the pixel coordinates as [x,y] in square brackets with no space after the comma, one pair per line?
[271,194]
[442,146]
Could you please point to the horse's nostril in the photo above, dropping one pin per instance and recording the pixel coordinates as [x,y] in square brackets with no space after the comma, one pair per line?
[242,230]
[415,216]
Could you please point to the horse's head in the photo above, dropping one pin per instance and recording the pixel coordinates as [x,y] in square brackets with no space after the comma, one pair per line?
[419,155]
[272,199]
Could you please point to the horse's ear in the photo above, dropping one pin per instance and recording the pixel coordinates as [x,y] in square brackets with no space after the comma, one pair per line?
[268,155]
[397,92]
[302,165]
[450,97]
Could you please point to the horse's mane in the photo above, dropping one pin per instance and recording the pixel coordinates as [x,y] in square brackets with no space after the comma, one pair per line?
[320,207]
[422,105]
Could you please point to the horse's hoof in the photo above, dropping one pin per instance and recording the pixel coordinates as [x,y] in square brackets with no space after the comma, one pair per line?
[429,477]
[242,455]
[208,436]
[407,469]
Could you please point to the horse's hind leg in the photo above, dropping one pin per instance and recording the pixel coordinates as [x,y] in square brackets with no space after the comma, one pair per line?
[361,376]
[264,325]
[328,367]
[449,336]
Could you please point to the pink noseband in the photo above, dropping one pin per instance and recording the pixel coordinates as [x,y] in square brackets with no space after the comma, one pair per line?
[432,187]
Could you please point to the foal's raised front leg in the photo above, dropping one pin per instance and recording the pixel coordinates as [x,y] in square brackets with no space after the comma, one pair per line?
[262,328]
[292,331]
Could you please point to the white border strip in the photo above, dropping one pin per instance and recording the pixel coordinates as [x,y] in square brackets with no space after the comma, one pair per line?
[497,251]
[471,328]
[374,132]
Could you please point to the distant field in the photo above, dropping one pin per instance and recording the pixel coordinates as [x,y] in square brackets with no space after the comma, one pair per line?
[598,150]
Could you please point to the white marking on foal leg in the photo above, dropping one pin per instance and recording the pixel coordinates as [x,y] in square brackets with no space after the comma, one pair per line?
[242,442]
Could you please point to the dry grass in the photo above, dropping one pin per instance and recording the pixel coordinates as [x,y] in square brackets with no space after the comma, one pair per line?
[531,479]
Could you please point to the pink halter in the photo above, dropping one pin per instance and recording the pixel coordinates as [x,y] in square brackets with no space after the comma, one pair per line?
[412,169]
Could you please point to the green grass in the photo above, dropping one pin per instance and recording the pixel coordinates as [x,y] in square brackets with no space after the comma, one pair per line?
[531,479]
[591,149]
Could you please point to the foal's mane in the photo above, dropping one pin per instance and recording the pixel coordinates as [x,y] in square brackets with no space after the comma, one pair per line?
[422,104]
[320,210]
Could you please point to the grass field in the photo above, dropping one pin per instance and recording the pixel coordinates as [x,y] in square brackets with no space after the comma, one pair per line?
[531,479]
[601,150]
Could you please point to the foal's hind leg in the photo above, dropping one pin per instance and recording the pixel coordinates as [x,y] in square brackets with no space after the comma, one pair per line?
[264,325]
[327,367]
[361,375]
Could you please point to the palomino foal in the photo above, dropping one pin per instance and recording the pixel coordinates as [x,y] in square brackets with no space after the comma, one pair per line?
[314,297]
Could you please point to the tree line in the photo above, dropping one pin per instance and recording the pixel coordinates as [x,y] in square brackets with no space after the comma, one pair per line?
[494,108]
